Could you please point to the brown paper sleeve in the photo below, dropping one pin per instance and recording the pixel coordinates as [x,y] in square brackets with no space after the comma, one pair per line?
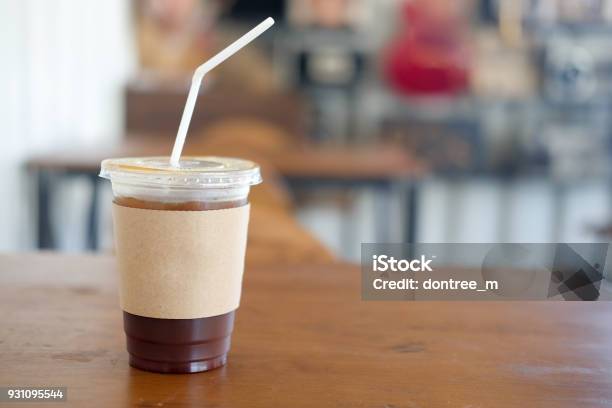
[180,264]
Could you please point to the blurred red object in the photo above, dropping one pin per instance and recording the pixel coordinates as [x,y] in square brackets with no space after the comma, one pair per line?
[430,55]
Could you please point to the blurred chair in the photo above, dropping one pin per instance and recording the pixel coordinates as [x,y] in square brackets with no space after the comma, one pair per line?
[273,231]
[155,107]
[246,124]
[252,139]
[248,134]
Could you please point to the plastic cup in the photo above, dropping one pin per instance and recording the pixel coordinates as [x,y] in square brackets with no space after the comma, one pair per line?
[153,190]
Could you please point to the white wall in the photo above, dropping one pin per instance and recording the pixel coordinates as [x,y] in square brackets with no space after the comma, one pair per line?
[62,69]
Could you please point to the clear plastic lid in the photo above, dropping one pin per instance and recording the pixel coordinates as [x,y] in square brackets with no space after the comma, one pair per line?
[193,172]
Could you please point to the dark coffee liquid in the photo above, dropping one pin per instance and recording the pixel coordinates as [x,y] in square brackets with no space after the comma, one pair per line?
[178,345]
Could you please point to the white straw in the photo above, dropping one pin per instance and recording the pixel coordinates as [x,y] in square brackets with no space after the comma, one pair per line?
[196,81]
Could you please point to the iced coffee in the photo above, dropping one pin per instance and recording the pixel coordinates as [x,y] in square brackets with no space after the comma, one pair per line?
[180,237]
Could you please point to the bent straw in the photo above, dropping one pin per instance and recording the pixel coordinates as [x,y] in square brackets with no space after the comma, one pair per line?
[196,81]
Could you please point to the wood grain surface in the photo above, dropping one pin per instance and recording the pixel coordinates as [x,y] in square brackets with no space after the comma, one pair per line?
[304,338]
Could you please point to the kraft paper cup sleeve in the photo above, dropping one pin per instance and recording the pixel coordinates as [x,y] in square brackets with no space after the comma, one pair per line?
[180,264]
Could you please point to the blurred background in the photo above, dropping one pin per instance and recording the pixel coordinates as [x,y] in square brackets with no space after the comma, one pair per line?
[375,120]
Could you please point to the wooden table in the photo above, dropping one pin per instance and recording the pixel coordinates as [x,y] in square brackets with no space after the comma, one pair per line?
[385,168]
[377,162]
[304,338]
